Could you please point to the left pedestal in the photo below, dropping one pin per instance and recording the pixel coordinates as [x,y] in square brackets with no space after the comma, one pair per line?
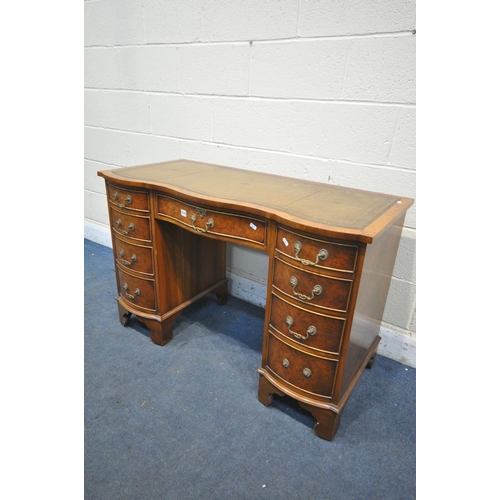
[161,331]
[161,268]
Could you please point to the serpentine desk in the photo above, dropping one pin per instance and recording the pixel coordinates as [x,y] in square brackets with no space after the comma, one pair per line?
[331,255]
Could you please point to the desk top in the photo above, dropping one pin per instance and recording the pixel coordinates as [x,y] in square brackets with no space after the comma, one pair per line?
[324,208]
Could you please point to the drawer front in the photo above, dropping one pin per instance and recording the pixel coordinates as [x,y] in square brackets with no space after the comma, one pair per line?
[311,253]
[135,257]
[200,220]
[128,198]
[310,373]
[312,289]
[131,226]
[137,291]
[317,331]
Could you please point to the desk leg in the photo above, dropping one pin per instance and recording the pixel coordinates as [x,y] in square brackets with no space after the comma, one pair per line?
[221,294]
[327,420]
[266,391]
[161,332]
[124,315]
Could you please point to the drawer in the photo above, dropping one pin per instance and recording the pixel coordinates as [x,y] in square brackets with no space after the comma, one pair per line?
[202,220]
[135,257]
[310,373]
[130,199]
[312,289]
[139,292]
[312,252]
[317,331]
[131,226]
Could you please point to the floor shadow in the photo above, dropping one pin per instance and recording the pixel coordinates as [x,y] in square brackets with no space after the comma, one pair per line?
[239,320]
[291,407]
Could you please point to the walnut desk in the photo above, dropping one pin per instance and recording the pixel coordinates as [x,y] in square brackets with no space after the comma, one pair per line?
[331,255]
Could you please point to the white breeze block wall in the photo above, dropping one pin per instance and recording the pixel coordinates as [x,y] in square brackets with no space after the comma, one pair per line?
[314,89]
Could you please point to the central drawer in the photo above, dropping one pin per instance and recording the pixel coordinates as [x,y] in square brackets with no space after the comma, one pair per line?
[310,373]
[201,220]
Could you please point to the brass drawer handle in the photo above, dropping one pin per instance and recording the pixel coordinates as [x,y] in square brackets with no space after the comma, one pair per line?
[310,331]
[130,227]
[322,254]
[128,200]
[126,262]
[137,292]
[317,289]
[209,224]
[306,372]
[285,363]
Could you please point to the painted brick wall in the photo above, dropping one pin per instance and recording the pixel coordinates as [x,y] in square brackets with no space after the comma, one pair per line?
[314,89]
